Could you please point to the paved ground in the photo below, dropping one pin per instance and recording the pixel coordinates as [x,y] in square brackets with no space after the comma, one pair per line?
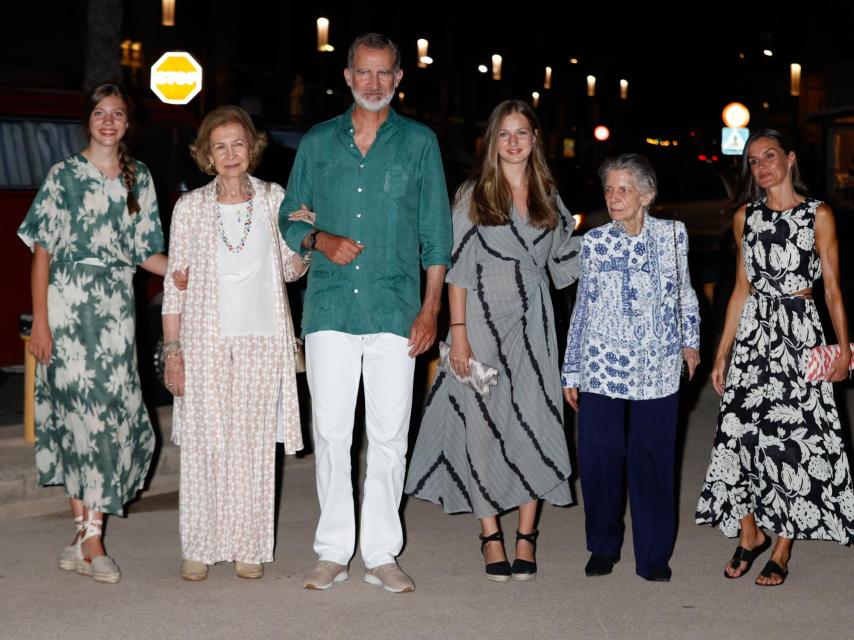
[452,600]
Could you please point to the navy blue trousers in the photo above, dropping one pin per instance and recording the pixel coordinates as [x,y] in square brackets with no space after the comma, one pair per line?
[608,452]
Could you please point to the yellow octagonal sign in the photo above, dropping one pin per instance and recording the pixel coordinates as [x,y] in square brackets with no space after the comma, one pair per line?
[176,78]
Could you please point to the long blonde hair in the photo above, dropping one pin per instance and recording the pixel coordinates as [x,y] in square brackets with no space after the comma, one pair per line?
[491,196]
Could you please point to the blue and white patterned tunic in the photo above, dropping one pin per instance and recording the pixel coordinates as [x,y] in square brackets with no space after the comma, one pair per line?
[624,339]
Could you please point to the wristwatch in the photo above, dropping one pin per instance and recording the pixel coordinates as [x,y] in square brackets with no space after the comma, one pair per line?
[312,239]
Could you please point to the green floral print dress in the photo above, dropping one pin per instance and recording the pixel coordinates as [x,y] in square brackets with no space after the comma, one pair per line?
[92,431]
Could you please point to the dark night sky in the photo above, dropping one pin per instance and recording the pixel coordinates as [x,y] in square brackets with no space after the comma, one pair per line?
[682,65]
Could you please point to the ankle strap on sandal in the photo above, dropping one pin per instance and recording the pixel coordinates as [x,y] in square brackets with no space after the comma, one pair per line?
[498,536]
[528,537]
[92,528]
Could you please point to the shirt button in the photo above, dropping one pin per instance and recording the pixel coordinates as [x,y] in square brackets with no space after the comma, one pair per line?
[358,215]
[355,291]
[361,166]
[359,189]
[357,267]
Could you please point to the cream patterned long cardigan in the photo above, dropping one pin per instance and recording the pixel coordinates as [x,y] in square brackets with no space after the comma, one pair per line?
[193,243]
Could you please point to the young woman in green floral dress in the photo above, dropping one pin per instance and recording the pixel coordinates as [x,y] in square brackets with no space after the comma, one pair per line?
[93,221]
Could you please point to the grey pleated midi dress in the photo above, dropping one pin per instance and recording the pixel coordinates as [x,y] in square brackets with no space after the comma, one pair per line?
[487,455]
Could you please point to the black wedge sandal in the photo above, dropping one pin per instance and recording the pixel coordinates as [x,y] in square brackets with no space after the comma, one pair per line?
[523,570]
[495,571]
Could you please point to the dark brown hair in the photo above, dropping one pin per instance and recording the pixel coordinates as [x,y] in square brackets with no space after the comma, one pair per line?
[491,196]
[750,191]
[126,164]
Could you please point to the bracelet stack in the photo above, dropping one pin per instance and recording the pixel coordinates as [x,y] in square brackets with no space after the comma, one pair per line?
[172,349]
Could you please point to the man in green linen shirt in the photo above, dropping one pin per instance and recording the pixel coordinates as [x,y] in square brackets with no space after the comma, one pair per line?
[375,181]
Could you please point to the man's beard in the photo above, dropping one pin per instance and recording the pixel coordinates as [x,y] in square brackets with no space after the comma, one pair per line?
[369,105]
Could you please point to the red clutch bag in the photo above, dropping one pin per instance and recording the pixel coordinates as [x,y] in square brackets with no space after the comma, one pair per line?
[821,359]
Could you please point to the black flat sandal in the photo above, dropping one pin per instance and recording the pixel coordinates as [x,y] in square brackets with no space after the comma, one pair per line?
[495,571]
[746,555]
[772,568]
[524,570]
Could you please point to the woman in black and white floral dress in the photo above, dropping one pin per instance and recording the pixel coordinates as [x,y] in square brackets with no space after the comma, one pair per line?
[778,460]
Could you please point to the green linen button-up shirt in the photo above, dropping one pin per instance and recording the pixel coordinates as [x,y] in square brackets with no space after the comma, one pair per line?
[392,200]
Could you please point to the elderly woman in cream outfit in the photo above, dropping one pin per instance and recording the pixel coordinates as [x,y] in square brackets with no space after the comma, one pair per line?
[229,348]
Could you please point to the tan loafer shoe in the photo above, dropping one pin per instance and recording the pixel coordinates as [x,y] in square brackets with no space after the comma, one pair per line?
[390,577]
[323,574]
[248,570]
[193,570]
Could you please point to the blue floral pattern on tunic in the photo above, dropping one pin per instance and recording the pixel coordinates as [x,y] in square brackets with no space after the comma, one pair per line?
[624,338]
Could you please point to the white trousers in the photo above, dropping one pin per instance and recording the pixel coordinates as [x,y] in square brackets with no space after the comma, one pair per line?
[334,363]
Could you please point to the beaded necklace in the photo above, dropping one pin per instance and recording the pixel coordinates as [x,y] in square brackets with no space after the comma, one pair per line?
[247,224]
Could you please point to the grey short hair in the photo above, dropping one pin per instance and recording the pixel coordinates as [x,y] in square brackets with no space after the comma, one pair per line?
[373,41]
[639,166]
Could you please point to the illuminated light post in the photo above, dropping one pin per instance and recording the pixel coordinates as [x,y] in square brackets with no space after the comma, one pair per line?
[323,36]
[591,86]
[624,89]
[735,115]
[536,98]
[734,136]
[548,81]
[795,75]
[422,54]
[496,67]
[168,13]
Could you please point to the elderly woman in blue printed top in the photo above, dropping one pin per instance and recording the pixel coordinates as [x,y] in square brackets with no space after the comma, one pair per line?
[635,320]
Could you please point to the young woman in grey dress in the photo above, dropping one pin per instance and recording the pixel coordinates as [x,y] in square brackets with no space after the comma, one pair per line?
[488,455]
[94,220]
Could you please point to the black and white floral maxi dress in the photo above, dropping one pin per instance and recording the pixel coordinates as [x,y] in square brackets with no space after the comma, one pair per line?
[778,451]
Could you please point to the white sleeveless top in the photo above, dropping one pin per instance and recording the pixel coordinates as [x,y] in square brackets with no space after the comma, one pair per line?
[247,305]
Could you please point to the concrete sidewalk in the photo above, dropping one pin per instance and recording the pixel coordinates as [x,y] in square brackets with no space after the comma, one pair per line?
[452,599]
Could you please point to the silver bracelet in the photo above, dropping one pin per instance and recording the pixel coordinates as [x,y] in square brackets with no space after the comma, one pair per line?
[173,346]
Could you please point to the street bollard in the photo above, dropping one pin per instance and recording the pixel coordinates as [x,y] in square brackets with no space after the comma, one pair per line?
[26,322]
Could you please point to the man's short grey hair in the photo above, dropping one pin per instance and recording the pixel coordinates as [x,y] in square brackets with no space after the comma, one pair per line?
[374,41]
[639,166]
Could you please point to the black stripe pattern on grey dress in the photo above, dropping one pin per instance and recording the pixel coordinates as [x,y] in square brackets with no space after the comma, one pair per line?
[487,455]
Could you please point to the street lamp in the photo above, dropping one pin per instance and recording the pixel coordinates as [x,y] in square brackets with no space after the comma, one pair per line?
[795,88]
[323,36]
[496,67]
[536,98]
[591,86]
[168,17]
[624,89]
[422,54]
[548,82]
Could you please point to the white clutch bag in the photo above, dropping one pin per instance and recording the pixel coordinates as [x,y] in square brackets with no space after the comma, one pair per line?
[481,376]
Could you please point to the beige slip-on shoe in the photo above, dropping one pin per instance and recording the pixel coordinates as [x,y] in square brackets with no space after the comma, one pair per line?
[193,570]
[248,570]
[323,574]
[390,577]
